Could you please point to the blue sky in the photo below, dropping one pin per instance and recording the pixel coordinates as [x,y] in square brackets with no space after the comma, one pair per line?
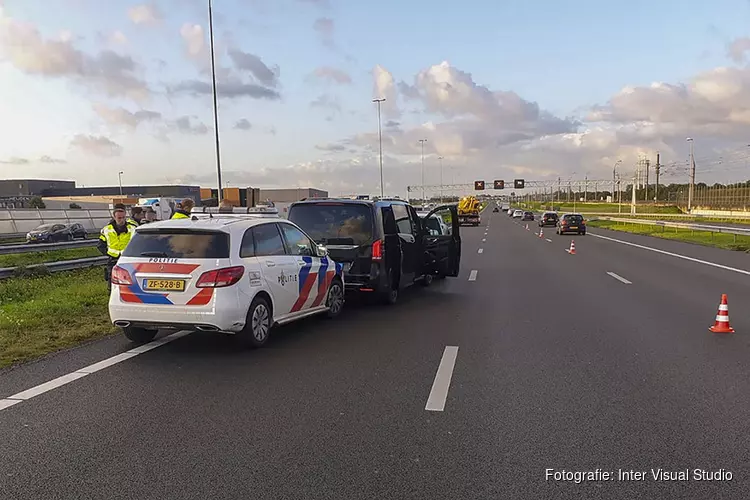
[504,59]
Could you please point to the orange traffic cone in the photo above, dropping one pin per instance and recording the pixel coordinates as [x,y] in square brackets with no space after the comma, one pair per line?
[541,232]
[721,325]
[572,249]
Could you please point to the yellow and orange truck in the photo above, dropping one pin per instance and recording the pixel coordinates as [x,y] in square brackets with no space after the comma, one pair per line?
[468,211]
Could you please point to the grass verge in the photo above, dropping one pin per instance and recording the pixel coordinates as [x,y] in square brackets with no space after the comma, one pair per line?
[29,258]
[610,208]
[46,314]
[718,240]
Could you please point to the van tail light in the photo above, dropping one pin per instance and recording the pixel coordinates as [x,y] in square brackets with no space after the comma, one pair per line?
[220,278]
[377,250]
[120,276]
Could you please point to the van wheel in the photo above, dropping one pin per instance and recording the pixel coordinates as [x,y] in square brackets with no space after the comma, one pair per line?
[257,325]
[139,335]
[427,280]
[335,300]
[391,296]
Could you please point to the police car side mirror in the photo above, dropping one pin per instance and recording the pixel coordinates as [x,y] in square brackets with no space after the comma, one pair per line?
[322,251]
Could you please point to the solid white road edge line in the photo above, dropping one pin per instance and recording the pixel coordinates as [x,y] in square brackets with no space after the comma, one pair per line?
[70,377]
[480,250]
[439,391]
[619,278]
[713,264]
[473,275]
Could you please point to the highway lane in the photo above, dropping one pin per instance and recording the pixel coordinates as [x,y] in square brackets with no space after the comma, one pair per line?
[558,365]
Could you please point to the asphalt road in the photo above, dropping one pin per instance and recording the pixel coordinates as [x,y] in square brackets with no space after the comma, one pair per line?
[559,366]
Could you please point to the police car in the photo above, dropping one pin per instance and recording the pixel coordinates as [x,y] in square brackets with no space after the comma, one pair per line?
[238,274]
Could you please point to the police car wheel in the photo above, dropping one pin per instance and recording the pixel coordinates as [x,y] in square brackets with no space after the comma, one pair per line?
[335,300]
[139,335]
[427,280]
[258,325]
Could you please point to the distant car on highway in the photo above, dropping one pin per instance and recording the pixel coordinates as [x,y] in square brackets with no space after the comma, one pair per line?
[496,209]
[527,215]
[223,274]
[571,223]
[548,219]
[434,224]
[517,214]
[53,233]
[505,207]
[383,245]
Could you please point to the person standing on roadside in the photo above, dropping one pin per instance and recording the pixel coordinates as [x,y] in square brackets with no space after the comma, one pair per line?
[150,216]
[184,211]
[136,216]
[113,239]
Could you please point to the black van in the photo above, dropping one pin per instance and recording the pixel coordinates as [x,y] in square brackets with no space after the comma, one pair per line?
[382,244]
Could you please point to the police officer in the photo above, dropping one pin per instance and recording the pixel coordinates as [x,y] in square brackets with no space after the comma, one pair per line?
[150,216]
[184,211]
[113,239]
[136,216]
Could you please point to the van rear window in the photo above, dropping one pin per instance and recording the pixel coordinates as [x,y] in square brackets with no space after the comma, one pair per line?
[334,223]
[179,244]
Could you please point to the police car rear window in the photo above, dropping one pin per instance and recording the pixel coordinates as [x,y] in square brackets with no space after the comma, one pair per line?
[179,244]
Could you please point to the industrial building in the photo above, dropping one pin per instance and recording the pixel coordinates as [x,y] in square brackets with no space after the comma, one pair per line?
[17,193]
[290,195]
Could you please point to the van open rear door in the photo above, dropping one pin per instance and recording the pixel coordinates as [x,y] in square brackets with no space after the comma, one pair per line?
[442,252]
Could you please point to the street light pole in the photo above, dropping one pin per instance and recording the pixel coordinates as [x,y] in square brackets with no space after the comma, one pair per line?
[441,178]
[380,140]
[422,141]
[614,178]
[119,176]
[691,188]
[216,100]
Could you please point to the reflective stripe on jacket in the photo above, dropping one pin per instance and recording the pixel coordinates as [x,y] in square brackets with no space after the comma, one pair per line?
[115,241]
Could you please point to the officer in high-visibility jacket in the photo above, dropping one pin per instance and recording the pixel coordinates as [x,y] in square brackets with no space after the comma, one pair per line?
[184,211]
[113,239]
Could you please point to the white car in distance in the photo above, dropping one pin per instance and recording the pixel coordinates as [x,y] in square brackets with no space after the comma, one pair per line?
[234,275]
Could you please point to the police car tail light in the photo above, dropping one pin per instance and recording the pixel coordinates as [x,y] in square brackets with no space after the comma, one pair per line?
[120,276]
[220,278]
[377,250]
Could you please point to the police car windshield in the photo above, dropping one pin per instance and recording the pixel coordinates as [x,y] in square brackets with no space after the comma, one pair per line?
[334,223]
[179,243]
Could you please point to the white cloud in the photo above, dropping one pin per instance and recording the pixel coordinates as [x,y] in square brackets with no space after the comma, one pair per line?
[384,87]
[194,39]
[96,145]
[145,14]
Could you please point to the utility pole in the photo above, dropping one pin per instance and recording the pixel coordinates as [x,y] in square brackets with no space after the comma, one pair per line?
[586,188]
[216,100]
[691,188]
[645,195]
[441,178]
[559,189]
[632,203]
[380,140]
[658,168]
[614,178]
[422,141]
[119,176]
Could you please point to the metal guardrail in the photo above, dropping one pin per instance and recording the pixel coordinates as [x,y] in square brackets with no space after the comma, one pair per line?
[64,265]
[684,225]
[41,247]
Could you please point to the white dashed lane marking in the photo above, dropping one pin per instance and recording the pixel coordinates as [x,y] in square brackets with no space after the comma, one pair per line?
[439,392]
[619,278]
[473,275]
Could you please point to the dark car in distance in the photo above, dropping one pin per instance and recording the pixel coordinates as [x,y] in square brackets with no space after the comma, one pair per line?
[528,215]
[56,232]
[383,245]
[548,219]
[571,223]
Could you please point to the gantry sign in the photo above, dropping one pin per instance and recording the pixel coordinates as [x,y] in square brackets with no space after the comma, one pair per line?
[517,184]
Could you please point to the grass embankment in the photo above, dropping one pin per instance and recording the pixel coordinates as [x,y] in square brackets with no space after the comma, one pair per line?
[29,258]
[719,240]
[48,313]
